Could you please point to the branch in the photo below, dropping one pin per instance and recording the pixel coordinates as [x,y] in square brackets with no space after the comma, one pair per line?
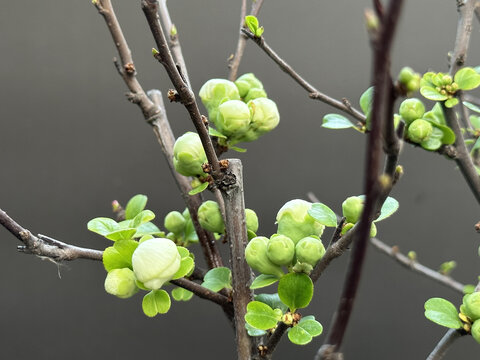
[273,340]
[375,188]
[203,292]
[444,344]
[236,231]
[187,97]
[466,9]
[154,113]
[403,260]
[343,105]
[242,38]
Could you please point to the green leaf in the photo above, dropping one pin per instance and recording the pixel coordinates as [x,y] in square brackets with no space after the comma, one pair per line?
[181,294]
[366,100]
[198,189]
[451,102]
[434,141]
[435,115]
[237,149]
[122,234]
[323,214]
[253,331]
[119,255]
[295,290]
[259,31]
[216,133]
[471,106]
[218,278]
[156,302]
[272,300]
[135,205]
[263,280]
[442,312]
[252,23]
[336,121]
[448,136]
[148,229]
[102,225]
[190,233]
[305,330]
[432,94]
[467,79]
[262,316]
[251,234]
[468,289]
[142,217]
[476,145]
[475,120]
[186,265]
[388,208]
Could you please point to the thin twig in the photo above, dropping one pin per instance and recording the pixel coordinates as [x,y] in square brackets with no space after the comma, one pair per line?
[203,292]
[375,191]
[444,344]
[273,340]
[343,105]
[415,266]
[242,38]
[466,9]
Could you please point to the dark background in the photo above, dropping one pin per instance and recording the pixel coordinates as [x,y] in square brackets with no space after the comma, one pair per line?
[70,143]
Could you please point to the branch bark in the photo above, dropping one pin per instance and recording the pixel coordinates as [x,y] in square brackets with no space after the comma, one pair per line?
[444,344]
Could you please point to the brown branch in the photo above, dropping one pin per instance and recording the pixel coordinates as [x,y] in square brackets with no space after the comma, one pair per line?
[343,105]
[375,190]
[444,344]
[415,266]
[242,38]
[187,97]
[154,113]
[273,340]
[466,9]
[203,292]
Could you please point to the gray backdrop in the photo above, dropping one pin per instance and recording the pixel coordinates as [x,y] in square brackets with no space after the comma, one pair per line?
[70,143]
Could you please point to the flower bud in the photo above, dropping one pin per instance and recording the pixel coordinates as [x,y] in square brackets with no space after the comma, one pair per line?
[373,230]
[346,227]
[246,82]
[419,130]
[233,118]
[472,305]
[121,283]
[411,109]
[257,259]
[280,250]
[294,221]
[155,262]
[406,74]
[189,155]
[352,208]
[252,220]
[414,84]
[255,94]
[475,330]
[210,217]
[214,91]
[309,250]
[175,222]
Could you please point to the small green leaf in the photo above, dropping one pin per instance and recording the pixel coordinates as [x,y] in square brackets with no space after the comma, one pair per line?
[142,217]
[336,121]
[467,79]
[323,214]
[442,312]
[263,280]
[102,225]
[135,205]
[295,290]
[148,229]
[468,289]
[119,255]
[253,331]
[448,136]
[216,133]
[451,102]
[198,189]
[262,316]
[305,330]
[156,302]
[272,300]
[181,294]
[186,265]
[475,120]
[190,233]
[252,23]
[251,234]
[388,208]
[123,234]
[471,106]
[366,100]
[432,94]
[237,149]
[259,31]
[434,141]
[218,278]
[435,115]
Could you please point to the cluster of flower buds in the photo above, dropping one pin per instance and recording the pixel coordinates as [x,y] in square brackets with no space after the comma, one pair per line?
[296,245]
[352,209]
[412,112]
[240,110]
[409,79]
[470,313]
[180,227]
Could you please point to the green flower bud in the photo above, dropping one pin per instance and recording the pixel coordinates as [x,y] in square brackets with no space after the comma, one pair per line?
[189,155]
[257,259]
[121,283]
[255,94]
[233,118]
[346,227]
[175,222]
[352,208]
[405,75]
[472,305]
[411,109]
[309,250]
[414,84]
[210,217]
[252,220]
[246,82]
[280,249]
[419,130]
[214,91]
[475,330]
[294,221]
[155,262]
[373,230]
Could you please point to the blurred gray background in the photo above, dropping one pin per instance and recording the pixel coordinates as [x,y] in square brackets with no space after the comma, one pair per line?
[70,143]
